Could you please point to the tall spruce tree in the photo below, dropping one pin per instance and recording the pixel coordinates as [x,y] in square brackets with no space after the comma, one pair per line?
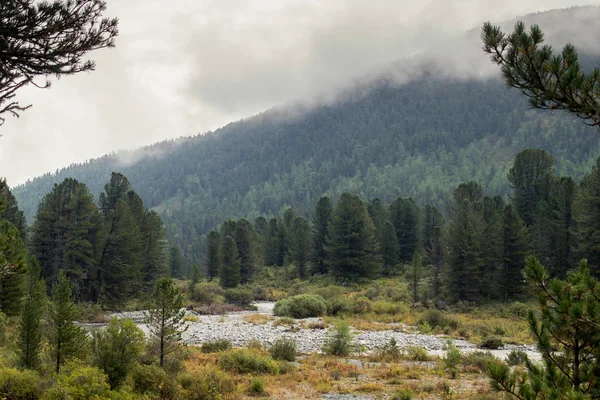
[175,262]
[13,266]
[435,254]
[29,339]
[415,274]
[67,339]
[230,274]
[153,242]
[492,248]
[516,244]
[165,317]
[246,242]
[9,210]
[563,223]
[321,218]
[352,248]
[213,255]
[300,245]
[462,239]
[116,189]
[405,215]
[587,216]
[389,248]
[432,219]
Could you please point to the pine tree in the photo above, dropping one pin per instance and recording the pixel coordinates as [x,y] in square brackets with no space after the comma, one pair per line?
[153,242]
[116,189]
[175,262]
[587,215]
[405,215]
[213,255]
[321,219]
[245,240]
[435,255]
[565,191]
[229,275]
[492,249]
[352,248]
[432,219]
[120,264]
[415,274]
[29,340]
[194,278]
[300,245]
[165,317]
[9,210]
[515,242]
[67,340]
[462,239]
[389,248]
[13,265]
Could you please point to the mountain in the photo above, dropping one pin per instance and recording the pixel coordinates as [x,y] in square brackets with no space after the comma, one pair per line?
[383,138]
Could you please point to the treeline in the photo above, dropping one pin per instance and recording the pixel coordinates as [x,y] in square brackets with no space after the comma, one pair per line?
[418,140]
[110,251]
[475,254]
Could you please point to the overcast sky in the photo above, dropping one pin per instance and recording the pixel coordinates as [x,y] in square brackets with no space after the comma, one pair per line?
[183,67]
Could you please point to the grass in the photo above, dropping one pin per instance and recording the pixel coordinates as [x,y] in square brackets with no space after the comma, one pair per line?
[257,319]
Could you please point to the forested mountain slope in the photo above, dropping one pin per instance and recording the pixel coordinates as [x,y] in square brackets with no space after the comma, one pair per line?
[419,139]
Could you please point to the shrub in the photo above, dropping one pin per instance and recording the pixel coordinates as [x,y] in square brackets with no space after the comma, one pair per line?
[207,383]
[415,353]
[207,293]
[330,292]
[452,359]
[257,387]
[116,348]
[284,349]
[238,296]
[317,325]
[215,346]
[338,305]
[518,310]
[389,351]
[480,360]
[259,293]
[15,384]
[436,319]
[361,305]
[301,306]
[153,381]
[243,361]
[340,340]
[517,357]
[386,307]
[491,343]
[403,394]
[78,381]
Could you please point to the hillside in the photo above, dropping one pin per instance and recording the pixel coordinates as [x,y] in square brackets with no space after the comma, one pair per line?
[419,139]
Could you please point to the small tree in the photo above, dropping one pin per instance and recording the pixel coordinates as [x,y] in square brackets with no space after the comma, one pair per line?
[116,348]
[568,337]
[66,339]
[30,331]
[165,317]
[194,279]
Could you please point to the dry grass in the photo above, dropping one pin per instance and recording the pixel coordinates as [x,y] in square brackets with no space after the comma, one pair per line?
[257,319]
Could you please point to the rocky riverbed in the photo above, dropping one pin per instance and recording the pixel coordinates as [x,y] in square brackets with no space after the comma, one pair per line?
[236,329]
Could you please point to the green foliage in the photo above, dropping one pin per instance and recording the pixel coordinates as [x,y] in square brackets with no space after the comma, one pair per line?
[30,329]
[116,348]
[491,343]
[588,218]
[338,306]
[165,317]
[480,360]
[517,357]
[13,256]
[78,381]
[257,387]
[340,341]
[243,361]
[283,349]
[215,346]
[406,218]
[213,255]
[15,384]
[230,272]
[208,383]
[175,262]
[321,218]
[403,394]
[551,81]
[67,340]
[207,293]
[452,359]
[437,319]
[245,240]
[153,381]
[301,306]
[9,210]
[239,296]
[389,352]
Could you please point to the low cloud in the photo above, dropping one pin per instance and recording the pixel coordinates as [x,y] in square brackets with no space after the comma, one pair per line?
[188,66]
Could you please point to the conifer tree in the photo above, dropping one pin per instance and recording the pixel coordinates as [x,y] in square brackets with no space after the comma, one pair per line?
[515,242]
[300,245]
[13,265]
[30,329]
[352,248]
[405,215]
[9,210]
[587,215]
[175,262]
[275,243]
[435,255]
[565,191]
[67,340]
[432,219]
[321,219]
[194,278]
[230,274]
[213,255]
[153,242]
[245,240]
[379,214]
[389,248]
[492,248]
[415,274]
[116,189]
[165,317]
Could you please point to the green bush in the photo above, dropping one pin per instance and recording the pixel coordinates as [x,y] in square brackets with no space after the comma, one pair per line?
[389,351]
[3,324]
[15,384]
[330,292]
[479,359]
[518,310]
[452,359]
[116,348]
[257,387]
[386,307]
[517,357]
[301,306]
[79,382]
[415,353]
[338,305]
[238,296]
[284,349]
[244,361]
[153,381]
[259,293]
[215,346]
[207,293]
[491,343]
[403,394]
[436,319]
[340,342]
[207,383]
[361,305]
